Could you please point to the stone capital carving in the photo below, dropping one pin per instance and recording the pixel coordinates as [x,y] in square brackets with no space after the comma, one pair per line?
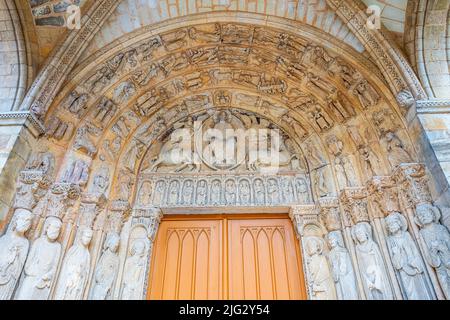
[354,201]
[330,214]
[412,181]
[118,212]
[32,187]
[384,193]
[149,218]
[304,215]
[92,204]
[61,197]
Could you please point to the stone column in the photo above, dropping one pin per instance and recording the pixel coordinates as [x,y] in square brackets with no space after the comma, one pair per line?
[415,195]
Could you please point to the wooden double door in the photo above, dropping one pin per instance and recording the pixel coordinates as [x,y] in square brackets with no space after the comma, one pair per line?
[226,257]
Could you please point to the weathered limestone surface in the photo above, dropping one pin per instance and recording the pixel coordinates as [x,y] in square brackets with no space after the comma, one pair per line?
[362,165]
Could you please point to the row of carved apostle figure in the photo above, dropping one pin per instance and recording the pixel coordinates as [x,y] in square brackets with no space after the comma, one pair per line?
[332,275]
[30,273]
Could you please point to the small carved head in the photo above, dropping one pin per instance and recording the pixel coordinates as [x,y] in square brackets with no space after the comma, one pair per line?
[112,242]
[24,219]
[53,228]
[86,237]
[362,232]
[427,214]
[405,99]
[335,239]
[138,248]
[396,223]
[314,246]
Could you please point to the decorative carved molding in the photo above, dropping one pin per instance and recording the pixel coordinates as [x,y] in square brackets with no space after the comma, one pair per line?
[171,191]
[390,60]
[58,201]
[433,106]
[303,216]
[92,204]
[149,218]
[20,117]
[32,186]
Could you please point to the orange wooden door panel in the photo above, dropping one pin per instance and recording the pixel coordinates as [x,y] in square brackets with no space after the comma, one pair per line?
[263,261]
[238,259]
[187,261]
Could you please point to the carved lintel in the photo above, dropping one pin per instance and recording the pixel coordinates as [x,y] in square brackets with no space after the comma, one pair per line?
[354,201]
[304,215]
[118,213]
[412,181]
[61,197]
[149,218]
[330,214]
[384,193]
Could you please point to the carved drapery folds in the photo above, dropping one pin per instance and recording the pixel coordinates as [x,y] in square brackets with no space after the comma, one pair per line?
[341,263]
[369,255]
[434,238]
[320,284]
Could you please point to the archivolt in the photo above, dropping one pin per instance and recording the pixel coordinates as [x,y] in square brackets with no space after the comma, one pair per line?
[146,84]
